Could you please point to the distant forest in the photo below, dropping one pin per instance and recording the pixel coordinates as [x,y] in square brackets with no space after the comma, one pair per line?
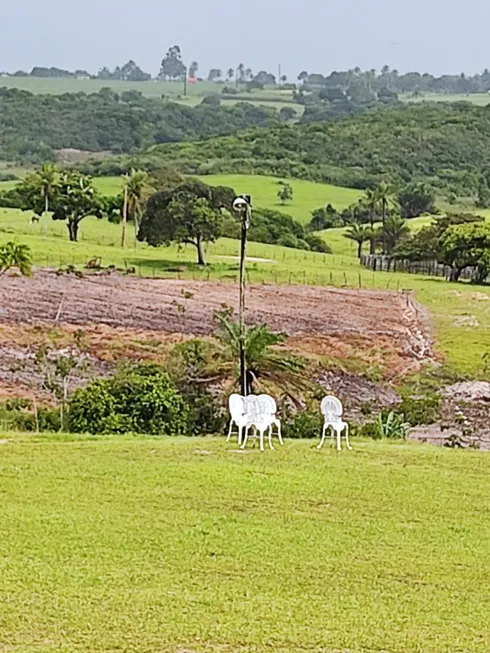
[34,127]
[446,146]
[175,67]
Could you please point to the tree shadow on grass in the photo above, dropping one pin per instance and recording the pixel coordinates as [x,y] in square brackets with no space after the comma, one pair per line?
[175,269]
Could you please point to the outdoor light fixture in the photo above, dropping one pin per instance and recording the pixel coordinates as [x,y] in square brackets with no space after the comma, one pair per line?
[242,205]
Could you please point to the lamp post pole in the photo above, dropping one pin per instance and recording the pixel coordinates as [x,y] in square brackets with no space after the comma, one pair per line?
[243,205]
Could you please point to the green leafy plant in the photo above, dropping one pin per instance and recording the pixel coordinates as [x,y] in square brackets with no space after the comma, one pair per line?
[13,255]
[392,426]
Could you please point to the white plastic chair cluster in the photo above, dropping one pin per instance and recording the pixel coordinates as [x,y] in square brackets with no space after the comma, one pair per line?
[259,412]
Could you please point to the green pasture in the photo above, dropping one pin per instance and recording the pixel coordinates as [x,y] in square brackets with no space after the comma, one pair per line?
[307,195]
[175,544]
[459,313]
[480,99]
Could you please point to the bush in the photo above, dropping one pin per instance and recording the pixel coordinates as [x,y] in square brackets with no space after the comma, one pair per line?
[189,365]
[140,399]
[425,410]
[391,425]
[305,424]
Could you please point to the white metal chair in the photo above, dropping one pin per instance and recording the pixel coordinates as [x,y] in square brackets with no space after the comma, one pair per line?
[259,417]
[332,411]
[272,409]
[236,405]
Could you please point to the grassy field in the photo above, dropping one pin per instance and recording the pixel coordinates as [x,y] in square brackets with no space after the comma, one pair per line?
[480,99]
[307,195]
[186,545]
[460,313]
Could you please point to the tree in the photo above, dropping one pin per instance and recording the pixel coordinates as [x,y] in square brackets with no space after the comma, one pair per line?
[46,180]
[193,68]
[131,72]
[393,231]
[136,184]
[13,255]
[229,74]
[385,193]
[303,77]
[188,214]
[241,73]
[466,245]
[287,114]
[372,203]
[172,66]
[360,234]
[214,75]
[264,361]
[416,199]
[285,193]
[76,200]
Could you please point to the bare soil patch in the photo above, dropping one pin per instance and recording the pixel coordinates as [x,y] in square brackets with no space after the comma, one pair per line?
[153,304]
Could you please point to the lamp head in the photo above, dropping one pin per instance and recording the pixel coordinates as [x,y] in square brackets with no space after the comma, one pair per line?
[241,203]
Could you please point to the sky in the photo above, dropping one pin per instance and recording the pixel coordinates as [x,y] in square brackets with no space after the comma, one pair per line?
[434,36]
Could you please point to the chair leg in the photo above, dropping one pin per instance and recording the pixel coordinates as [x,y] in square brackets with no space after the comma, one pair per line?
[347,437]
[230,430]
[270,438]
[339,431]
[279,435]
[324,435]
[262,433]
[245,439]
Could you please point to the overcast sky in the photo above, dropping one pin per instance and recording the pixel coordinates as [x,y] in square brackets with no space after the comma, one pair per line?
[317,35]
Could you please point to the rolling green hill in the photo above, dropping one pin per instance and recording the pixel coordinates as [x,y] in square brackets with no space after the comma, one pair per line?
[445,145]
[307,195]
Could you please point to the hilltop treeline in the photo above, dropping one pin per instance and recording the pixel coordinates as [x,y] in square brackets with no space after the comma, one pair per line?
[447,146]
[33,127]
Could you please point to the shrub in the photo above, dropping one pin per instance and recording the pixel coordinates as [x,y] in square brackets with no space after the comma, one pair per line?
[425,410]
[189,365]
[304,424]
[140,399]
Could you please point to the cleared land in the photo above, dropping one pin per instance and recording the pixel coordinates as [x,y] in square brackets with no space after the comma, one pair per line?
[185,545]
[152,304]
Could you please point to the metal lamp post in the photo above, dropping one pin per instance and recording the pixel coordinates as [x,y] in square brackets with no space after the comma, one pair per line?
[243,206]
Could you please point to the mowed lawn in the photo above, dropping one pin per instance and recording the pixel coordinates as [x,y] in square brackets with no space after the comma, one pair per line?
[188,545]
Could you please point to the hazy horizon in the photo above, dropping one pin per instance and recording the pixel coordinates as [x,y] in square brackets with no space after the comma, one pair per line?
[319,36]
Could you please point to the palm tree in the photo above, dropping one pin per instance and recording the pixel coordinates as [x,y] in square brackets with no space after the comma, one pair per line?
[360,234]
[46,181]
[229,74]
[371,201]
[385,193]
[241,72]
[393,231]
[136,184]
[265,362]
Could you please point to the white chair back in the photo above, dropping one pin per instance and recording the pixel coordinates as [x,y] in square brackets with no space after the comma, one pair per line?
[236,404]
[332,409]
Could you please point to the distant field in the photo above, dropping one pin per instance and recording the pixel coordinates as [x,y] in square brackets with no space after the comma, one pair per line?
[307,195]
[480,99]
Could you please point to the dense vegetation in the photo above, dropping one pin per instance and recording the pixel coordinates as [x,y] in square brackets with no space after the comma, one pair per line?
[33,127]
[447,146]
